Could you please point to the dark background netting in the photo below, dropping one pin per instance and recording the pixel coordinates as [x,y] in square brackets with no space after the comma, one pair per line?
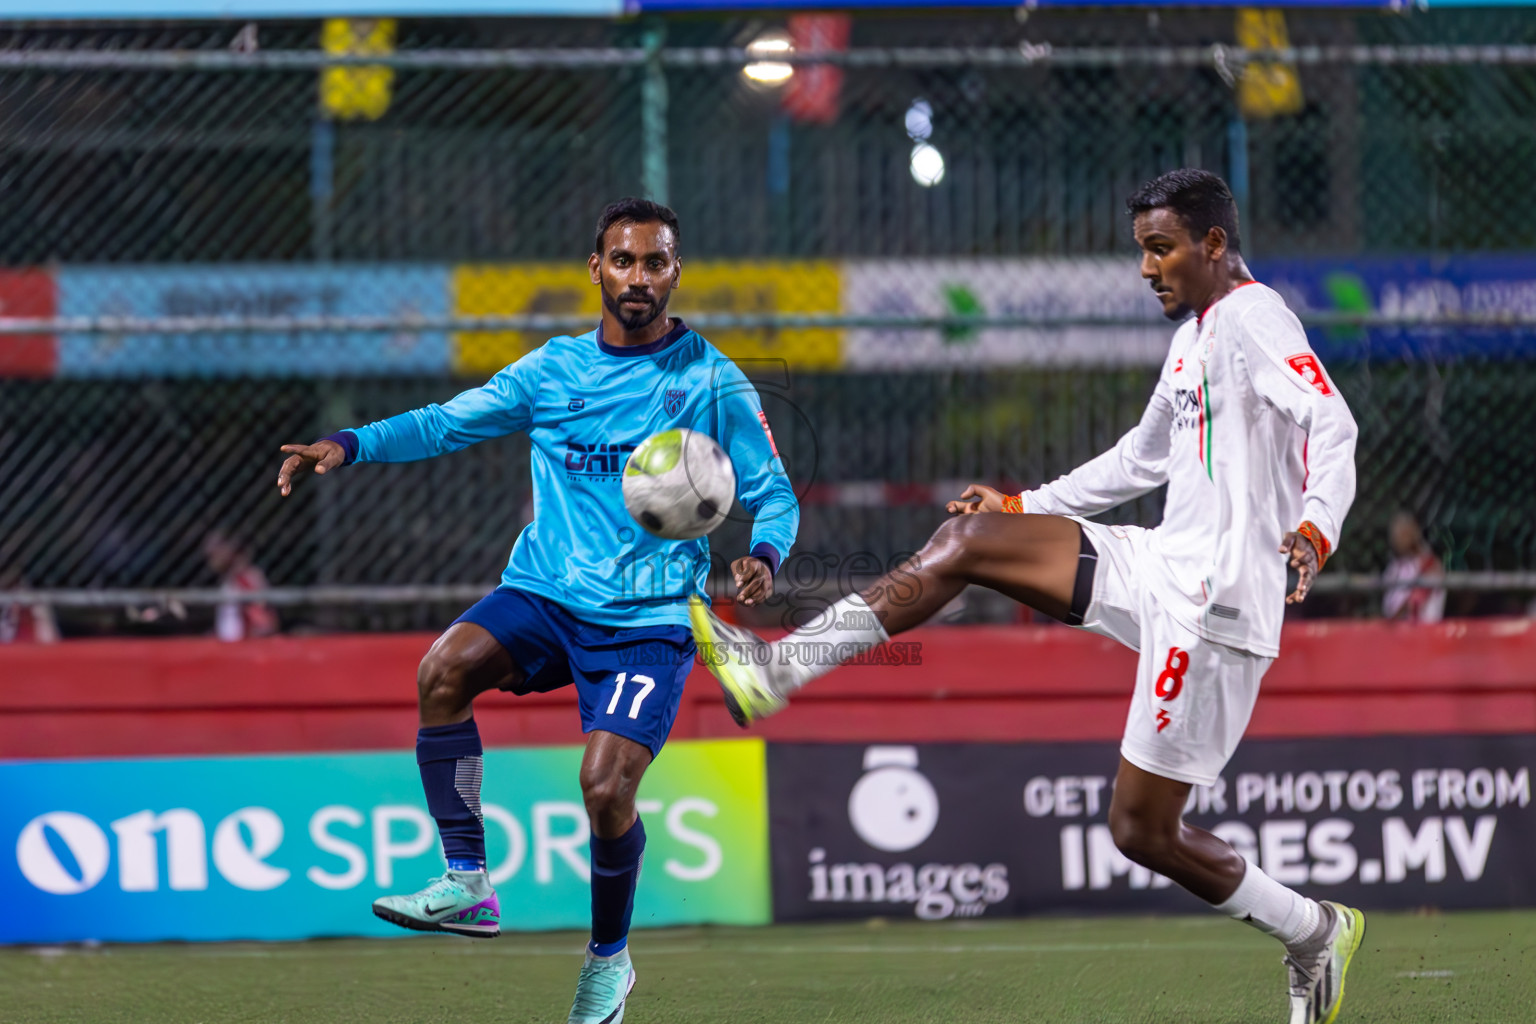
[112,482]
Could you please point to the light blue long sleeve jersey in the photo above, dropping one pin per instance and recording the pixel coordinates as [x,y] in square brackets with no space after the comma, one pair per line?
[585,406]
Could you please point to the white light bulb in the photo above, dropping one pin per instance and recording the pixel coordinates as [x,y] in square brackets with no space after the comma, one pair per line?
[763,68]
[771,72]
[927,165]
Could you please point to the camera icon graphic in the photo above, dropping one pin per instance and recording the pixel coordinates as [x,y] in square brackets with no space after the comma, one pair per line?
[893,806]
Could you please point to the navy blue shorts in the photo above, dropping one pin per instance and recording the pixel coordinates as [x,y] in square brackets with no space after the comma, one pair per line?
[629,681]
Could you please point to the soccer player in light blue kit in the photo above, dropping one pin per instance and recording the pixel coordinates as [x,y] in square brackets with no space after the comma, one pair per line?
[587,597]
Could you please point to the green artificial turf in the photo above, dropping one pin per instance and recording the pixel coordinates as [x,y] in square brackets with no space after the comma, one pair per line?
[1467,968]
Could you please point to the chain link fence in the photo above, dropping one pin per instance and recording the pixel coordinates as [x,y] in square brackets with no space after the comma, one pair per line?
[220,238]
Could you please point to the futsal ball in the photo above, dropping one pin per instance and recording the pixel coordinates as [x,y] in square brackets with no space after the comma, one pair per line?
[679,484]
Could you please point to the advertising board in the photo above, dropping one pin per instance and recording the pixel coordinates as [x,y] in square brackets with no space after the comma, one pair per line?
[291,847]
[937,831]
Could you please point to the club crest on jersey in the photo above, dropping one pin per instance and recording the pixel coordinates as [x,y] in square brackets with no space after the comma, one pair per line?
[673,404]
[1311,371]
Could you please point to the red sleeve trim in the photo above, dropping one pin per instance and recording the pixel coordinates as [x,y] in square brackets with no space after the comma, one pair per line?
[1313,534]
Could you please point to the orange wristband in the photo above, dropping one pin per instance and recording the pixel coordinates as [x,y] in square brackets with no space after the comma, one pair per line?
[1319,542]
[1013,503]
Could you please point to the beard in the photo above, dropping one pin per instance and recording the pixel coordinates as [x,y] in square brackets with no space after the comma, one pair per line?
[634,319]
[1177,313]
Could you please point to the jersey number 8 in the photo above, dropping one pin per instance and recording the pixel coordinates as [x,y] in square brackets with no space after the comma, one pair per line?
[1172,679]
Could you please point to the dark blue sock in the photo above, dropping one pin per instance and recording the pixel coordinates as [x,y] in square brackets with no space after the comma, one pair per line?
[615,869]
[449,757]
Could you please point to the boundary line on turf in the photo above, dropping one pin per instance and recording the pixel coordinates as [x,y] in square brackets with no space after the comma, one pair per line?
[480,949]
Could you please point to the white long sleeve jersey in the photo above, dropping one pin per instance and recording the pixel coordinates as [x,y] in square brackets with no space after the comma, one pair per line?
[1253,439]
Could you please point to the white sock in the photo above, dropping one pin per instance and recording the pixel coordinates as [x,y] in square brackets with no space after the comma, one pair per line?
[842,632]
[1273,909]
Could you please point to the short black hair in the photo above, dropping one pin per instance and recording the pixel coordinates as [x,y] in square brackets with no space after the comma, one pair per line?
[1201,199]
[635,211]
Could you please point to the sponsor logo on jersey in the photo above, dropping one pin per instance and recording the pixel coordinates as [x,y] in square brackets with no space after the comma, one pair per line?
[673,404]
[576,404]
[1191,409]
[1306,364]
[1186,408]
[602,458]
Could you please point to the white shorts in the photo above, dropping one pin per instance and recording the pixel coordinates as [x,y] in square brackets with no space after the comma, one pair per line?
[1193,697]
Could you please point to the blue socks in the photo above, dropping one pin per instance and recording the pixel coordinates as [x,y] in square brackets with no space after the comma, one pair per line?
[451,761]
[615,869]
[451,764]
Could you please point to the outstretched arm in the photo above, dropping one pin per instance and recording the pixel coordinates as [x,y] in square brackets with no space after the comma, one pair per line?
[502,406]
[1134,466]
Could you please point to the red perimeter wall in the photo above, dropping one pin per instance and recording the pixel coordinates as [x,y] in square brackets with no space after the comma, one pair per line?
[110,698]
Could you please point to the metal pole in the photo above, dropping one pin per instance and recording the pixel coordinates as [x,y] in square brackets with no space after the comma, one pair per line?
[1024,55]
[546,322]
[653,118]
[322,185]
[1237,173]
[412,593]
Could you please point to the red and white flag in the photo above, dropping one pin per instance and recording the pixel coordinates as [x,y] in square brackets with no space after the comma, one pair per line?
[814,91]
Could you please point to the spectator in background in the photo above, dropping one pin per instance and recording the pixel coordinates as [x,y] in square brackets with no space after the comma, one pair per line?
[238,620]
[24,623]
[1412,559]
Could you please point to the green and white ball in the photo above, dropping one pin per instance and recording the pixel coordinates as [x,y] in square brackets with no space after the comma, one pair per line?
[679,484]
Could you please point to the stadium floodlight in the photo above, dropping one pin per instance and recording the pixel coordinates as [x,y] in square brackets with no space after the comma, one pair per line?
[767,71]
[927,165]
[919,120]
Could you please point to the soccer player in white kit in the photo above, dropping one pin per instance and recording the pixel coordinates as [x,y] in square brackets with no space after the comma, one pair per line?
[1257,448]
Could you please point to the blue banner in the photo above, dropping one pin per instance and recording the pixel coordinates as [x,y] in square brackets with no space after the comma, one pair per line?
[244,291]
[1417,286]
[292,847]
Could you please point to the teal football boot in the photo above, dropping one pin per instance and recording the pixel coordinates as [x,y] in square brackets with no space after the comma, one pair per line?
[461,902]
[602,989]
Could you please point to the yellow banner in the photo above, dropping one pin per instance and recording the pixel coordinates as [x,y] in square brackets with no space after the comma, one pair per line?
[1267,88]
[357,93]
[734,286]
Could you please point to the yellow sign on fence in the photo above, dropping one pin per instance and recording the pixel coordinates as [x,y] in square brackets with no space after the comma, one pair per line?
[1267,88]
[735,286]
[357,93]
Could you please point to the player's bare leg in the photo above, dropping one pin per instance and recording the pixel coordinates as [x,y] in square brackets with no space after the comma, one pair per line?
[463,663]
[1146,818]
[611,770]
[1032,559]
